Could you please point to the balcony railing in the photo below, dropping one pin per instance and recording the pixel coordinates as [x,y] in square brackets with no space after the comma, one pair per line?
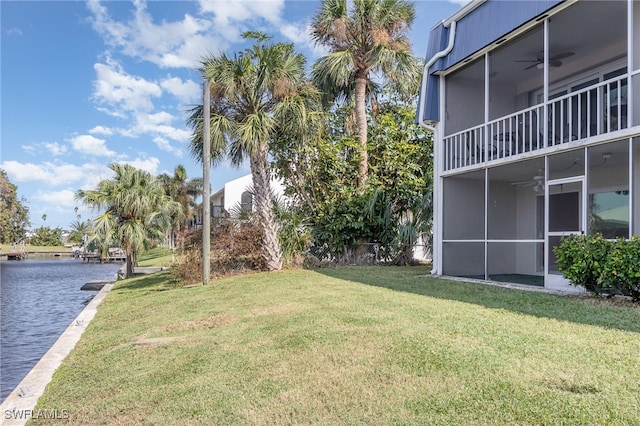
[591,111]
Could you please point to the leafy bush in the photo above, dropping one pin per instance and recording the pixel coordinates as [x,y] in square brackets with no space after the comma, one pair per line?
[601,266]
[621,270]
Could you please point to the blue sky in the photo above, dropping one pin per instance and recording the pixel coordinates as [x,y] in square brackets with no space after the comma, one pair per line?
[84,84]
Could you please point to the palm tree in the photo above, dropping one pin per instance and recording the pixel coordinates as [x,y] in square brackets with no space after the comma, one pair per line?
[136,210]
[78,230]
[185,192]
[255,95]
[366,40]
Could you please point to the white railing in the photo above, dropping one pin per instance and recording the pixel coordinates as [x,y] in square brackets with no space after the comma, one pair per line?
[582,114]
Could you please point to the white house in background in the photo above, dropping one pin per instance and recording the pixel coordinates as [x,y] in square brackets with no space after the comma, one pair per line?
[535,107]
[238,193]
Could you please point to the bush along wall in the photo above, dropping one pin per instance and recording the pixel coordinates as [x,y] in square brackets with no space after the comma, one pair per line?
[604,267]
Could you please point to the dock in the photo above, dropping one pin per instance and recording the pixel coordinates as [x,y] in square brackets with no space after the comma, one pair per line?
[16,255]
[95,257]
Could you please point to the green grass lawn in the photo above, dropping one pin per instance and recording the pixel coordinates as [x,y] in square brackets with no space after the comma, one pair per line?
[158,256]
[365,345]
[5,248]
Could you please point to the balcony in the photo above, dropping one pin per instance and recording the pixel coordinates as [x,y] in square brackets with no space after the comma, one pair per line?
[580,115]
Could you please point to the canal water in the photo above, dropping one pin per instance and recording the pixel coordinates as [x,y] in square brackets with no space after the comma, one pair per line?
[39,298]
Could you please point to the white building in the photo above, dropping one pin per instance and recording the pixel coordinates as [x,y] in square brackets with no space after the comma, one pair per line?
[237,193]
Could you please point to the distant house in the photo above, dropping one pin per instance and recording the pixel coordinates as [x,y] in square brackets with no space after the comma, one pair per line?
[237,193]
[535,107]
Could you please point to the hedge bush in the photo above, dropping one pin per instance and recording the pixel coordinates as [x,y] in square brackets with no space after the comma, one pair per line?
[601,266]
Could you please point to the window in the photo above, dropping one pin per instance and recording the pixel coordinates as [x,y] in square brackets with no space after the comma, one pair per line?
[609,214]
[246,201]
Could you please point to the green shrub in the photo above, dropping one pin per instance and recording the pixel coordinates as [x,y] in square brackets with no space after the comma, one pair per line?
[581,260]
[601,266]
[622,270]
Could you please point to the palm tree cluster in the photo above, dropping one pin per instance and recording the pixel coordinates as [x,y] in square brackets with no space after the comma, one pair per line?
[135,210]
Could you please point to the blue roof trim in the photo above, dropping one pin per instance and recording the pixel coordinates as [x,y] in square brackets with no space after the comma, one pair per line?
[489,22]
[482,26]
[438,40]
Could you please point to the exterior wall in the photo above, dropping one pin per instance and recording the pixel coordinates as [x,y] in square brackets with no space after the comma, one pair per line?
[636,187]
[635,63]
[233,191]
[230,195]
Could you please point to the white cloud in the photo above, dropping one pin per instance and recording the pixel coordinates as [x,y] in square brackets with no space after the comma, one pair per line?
[29,149]
[63,198]
[13,31]
[167,44]
[101,130]
[300,34]
[52,174]
[150,164]
[87,144]
[165,145]
[55,148]
[158,124]
[187,92]
[119,91]
[232,18]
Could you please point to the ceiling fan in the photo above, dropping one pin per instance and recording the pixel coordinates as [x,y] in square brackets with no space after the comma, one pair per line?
[554,60]
[537,182]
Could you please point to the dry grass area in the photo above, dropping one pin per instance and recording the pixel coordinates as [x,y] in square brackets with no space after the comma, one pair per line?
[366,345]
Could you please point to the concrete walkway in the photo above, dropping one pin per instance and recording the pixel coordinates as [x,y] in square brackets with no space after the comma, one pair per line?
[18,407]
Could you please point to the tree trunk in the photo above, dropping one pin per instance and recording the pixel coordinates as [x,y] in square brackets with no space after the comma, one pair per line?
[361,123]
[271,251]
[129,264]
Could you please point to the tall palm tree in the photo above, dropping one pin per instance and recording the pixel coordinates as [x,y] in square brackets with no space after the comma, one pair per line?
[255,94]
[136,210]
[367,40]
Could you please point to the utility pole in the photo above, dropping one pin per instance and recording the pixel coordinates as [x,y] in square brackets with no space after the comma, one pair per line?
[206,192]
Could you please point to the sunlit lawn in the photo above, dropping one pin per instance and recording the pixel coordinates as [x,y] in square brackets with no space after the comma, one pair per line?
[366,345]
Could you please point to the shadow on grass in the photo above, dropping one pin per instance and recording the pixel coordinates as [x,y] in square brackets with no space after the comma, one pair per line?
[561,308]
[158,281]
